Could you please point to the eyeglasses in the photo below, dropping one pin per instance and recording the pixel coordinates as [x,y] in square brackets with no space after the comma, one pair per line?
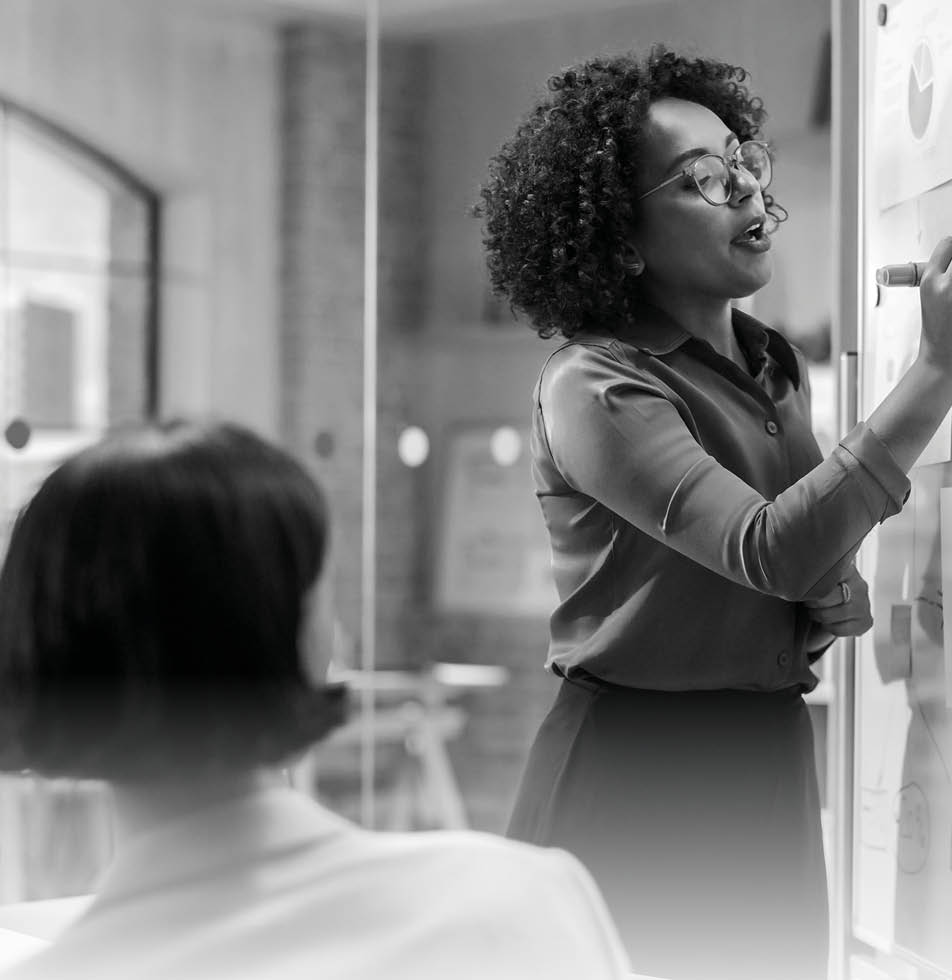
[713,175]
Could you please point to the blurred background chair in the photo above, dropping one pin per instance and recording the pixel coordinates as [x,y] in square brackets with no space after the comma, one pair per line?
[416,715]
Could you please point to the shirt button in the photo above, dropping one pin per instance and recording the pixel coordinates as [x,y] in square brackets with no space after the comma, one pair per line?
[784,658]
[771,427]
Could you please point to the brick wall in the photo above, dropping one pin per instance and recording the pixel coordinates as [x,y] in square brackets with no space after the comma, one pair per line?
[322,173]
[400,267]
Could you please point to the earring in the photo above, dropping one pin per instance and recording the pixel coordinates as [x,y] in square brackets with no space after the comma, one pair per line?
[633,262]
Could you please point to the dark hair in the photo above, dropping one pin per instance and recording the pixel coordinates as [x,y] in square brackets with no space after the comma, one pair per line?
[151,604]
[559,202]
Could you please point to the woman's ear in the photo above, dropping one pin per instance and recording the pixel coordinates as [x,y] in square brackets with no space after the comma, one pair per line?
[316,636]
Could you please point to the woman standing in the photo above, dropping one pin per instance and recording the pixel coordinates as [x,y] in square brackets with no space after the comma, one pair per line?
[702,547]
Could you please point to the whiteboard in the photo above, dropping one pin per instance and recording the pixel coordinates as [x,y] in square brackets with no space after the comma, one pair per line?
[902,842]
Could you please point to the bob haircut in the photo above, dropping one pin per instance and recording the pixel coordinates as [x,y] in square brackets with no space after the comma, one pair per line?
[151,608]
[560,200]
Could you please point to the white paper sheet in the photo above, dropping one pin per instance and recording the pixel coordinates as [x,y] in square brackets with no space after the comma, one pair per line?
[912,101]
[16,946]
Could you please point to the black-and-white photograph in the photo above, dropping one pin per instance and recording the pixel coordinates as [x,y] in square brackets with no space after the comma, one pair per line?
[475,483]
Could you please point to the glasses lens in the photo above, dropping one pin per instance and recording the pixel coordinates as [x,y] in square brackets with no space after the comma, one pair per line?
[713,179]
[755,159]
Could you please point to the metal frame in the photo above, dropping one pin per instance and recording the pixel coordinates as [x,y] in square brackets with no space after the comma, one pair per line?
[848,194]
[731,163]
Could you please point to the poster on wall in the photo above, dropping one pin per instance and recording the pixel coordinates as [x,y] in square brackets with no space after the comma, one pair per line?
[493,552]
[912,102]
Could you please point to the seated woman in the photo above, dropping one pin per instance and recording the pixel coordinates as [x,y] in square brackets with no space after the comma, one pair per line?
[159,629]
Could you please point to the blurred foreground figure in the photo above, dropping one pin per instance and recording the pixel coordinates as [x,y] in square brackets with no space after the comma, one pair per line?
[159,629]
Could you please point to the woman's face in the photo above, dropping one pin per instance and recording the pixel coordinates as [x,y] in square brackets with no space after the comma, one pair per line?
[688,245]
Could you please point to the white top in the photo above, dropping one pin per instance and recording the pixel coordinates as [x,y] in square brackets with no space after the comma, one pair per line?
[272,885]
[16,946]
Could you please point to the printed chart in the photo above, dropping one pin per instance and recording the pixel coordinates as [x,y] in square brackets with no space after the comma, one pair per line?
[913,100]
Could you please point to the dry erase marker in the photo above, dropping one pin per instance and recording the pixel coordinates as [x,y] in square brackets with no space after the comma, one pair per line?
[906,274]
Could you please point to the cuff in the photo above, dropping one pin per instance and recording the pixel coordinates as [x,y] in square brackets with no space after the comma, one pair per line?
[874,457]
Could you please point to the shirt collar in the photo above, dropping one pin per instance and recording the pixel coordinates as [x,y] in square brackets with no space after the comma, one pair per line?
[757,341]
[658,333]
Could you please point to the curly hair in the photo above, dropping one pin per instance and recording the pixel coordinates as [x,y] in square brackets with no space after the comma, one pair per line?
[558,204]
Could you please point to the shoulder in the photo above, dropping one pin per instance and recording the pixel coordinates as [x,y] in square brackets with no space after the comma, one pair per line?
[580,353]
[469,848]
[589,366]
[480,861]
[477,883]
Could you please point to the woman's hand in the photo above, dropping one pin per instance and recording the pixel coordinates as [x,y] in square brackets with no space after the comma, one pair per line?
[845,611]
[908,417]
[935,299]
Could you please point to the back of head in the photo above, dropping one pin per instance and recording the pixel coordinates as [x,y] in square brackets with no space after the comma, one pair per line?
[151,608]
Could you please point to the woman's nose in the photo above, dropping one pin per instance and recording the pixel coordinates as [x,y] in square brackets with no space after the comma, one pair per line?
[743,184]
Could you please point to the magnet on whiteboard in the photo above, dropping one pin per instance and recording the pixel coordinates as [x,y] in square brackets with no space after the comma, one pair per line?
[882,14]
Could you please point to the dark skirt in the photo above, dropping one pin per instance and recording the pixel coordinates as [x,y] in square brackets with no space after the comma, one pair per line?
[698,815]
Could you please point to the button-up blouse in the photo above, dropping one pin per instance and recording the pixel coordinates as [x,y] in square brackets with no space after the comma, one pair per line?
[689,509]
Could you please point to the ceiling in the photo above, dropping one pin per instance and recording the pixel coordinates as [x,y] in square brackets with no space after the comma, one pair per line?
[431,16]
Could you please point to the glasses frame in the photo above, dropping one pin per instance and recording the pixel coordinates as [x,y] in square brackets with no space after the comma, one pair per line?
[731,163]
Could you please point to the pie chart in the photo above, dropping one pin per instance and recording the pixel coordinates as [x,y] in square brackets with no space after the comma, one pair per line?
[921,85]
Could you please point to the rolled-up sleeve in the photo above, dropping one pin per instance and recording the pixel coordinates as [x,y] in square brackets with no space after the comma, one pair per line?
[884,482]
[616,435]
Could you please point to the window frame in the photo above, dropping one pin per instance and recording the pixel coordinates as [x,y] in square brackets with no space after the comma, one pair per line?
[150,198]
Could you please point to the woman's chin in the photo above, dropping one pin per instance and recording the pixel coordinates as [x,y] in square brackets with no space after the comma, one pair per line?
[755,276]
